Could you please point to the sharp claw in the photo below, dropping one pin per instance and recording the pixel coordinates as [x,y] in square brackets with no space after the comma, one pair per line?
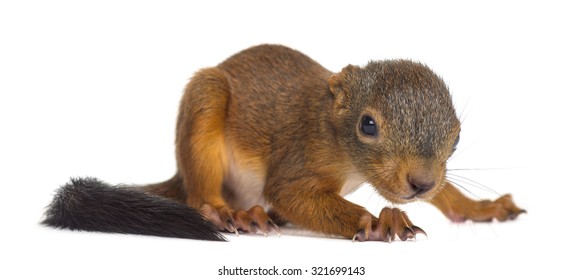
[276,228]
[254,227]
[390,236]
[358,236]
[269,226]
[257,227]
[515,215]
[231,227]
[407,234]
[411,235]
[273,226]
[417,230]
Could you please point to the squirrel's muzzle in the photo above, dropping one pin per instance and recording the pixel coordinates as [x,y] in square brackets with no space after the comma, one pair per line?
[420,184]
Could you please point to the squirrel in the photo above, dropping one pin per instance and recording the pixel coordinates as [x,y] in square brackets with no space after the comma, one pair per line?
[269,136]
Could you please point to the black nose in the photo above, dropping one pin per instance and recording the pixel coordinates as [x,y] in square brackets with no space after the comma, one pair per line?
[421,185]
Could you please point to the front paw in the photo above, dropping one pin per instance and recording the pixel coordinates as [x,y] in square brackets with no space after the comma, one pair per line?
[501,209]
[391,224]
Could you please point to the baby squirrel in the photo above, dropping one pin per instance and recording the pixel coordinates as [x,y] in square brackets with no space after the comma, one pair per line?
[270,136]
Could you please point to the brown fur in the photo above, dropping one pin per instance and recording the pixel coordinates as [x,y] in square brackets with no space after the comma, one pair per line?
[270,126]
[454,205]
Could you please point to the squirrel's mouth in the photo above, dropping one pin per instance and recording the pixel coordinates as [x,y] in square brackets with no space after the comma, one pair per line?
[399,198]
[406,198]
[411,197]
[414,197]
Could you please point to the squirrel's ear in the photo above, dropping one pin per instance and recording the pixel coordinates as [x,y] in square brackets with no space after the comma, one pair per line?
[338,84]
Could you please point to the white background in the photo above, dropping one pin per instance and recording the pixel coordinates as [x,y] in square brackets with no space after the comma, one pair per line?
[93,90]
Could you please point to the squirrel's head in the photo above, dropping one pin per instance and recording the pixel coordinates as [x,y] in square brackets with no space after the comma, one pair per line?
[400,126]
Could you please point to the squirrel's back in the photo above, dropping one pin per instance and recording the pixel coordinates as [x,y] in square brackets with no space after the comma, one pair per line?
[272,87]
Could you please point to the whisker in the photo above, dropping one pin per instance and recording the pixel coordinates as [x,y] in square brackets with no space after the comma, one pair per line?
[447,194]
[367,180]
[384,175]
[373,192]
[472,183]
[463,114]
[481,169]
[465,189]
[381,191]
[461,150]
[381,196]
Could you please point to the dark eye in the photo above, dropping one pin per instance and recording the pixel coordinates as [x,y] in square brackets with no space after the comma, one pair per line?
[457,140]
[368,126]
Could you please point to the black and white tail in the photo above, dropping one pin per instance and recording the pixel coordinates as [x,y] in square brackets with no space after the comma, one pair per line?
[91,205]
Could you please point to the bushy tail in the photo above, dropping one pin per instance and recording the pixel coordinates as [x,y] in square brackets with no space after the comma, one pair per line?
[91,205]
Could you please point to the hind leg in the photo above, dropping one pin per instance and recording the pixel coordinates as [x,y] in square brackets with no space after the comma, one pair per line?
[202,157]
[200,140]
